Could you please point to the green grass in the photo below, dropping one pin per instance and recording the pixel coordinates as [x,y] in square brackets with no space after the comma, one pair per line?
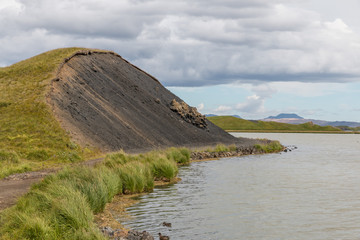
[346,128]
[219,148]
[179,155]
[27,125]
[273,146]
[63,205]
[232,123]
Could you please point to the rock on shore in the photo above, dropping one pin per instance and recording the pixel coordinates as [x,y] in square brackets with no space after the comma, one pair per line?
[118,234]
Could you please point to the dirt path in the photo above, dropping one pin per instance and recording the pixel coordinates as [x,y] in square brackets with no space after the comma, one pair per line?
[16,185]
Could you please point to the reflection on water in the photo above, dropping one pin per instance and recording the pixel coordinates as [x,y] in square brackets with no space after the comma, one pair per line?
[310,193]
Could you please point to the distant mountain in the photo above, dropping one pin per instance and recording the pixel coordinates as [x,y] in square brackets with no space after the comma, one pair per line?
[214,115]
[285,115]
[293,118]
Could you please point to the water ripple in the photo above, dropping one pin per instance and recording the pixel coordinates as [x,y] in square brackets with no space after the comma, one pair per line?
[310,193]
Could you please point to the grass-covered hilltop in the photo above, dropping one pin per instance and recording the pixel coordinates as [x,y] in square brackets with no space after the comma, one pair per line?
[71,104]
[29,132]
[230,123]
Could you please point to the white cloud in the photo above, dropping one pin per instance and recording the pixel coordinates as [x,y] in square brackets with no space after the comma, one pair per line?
[264,90]
[190,43]
[200,106]
[253,104]
[223,109]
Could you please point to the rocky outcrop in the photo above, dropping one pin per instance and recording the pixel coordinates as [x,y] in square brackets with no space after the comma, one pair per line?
[240,151]
[189,114]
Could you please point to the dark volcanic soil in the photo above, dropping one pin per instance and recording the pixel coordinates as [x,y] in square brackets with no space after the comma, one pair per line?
[104,101]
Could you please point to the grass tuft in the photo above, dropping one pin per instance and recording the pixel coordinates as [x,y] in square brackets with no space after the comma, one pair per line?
[179,155]
[273,146]
[164,168]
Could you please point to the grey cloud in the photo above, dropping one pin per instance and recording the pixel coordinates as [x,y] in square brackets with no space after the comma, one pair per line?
[190,43]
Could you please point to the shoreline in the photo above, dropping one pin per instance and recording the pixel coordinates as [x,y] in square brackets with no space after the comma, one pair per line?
[107,220]
[110,177]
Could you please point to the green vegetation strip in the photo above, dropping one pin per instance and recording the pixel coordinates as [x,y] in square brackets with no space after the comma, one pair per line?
[230,123]
[30,136]
[63,205]
[273,146]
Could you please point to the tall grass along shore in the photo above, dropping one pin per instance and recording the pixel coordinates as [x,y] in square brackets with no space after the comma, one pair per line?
[63,205]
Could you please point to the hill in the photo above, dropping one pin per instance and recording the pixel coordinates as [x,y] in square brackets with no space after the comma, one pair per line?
[214,115]
[296,119]
[232,123]
[29,132]
[285,115]
[105,101]
[70,104]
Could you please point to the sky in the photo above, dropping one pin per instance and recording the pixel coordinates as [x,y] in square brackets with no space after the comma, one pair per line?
[253,58]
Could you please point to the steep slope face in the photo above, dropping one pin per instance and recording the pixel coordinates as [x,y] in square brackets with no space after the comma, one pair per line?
[104,101]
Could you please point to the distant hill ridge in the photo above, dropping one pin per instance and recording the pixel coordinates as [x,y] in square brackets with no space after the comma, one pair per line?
[285,115]
[214,115]
[292,118]
[232,124]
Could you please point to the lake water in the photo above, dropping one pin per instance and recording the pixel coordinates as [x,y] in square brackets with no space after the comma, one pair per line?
[310,193]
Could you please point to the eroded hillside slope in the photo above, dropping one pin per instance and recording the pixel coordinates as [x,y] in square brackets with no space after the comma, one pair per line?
[104,101]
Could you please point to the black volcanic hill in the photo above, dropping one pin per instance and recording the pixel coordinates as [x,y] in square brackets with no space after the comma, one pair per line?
[104,101]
